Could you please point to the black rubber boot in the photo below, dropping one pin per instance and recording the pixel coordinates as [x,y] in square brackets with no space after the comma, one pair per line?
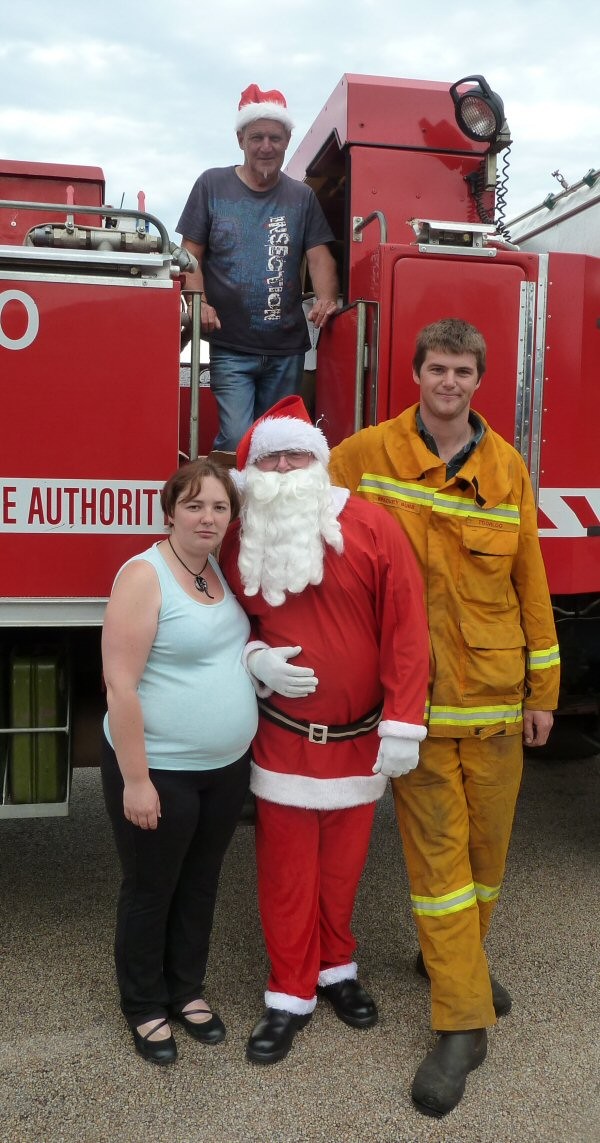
[440,1080]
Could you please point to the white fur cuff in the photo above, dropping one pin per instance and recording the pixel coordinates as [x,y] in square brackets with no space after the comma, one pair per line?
[255,645]
[340,972]
[401,730]
[284,1003]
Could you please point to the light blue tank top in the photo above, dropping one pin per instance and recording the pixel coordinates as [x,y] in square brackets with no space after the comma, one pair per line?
[198,703]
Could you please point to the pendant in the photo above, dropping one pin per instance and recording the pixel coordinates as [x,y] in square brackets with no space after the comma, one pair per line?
[201,585]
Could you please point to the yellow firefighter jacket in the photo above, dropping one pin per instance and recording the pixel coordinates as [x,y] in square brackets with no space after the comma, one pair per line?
[494,645]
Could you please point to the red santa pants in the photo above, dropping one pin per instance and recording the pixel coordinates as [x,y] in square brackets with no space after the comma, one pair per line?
[309,866]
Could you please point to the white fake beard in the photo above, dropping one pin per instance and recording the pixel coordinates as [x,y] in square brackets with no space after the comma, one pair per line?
[287,518]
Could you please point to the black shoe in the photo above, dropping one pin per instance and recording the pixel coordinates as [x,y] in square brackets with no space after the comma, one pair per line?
[272,1037]
[440,1080]
[207,1031]
[157,1051]
[351,1003]
[501,998]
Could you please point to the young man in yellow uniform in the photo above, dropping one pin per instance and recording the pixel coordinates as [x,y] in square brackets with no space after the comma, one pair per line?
[463,496]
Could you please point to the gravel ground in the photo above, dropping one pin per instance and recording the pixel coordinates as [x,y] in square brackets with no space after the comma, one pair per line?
[68,1072]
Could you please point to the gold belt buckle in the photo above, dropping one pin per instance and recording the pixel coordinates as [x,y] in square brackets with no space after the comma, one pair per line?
[317,732]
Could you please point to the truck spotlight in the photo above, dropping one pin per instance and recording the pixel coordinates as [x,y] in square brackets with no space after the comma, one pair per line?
[479,111]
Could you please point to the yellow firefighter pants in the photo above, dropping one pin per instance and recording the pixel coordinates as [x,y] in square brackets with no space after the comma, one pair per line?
[455,814]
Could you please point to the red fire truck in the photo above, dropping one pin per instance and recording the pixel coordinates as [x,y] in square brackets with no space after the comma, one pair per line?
[412,177]
[93,422]
[94,415]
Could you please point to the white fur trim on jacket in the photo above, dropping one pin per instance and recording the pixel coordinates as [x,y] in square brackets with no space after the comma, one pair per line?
[276,433]
[401,730]
[284,1003]
[262,690]
[239,478]
[316,793]
[340,972]
[340,497]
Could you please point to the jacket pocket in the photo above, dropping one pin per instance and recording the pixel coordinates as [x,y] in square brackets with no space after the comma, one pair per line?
[486,560]
[493,660]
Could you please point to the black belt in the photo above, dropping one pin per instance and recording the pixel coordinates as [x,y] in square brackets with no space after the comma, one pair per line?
[317,732]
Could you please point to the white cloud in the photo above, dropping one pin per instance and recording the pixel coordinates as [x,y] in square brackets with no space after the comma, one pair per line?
[148,90]
[85,56]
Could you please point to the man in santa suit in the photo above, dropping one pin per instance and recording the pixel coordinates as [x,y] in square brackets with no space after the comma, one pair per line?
[339,656]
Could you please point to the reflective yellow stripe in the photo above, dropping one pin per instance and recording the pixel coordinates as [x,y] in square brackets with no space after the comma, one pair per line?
[486,892]
[474,715]
[438,501]
[397,489]
[461,506]
[450,903]
[541,660]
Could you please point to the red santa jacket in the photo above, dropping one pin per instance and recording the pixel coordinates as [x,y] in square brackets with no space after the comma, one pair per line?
[363,630]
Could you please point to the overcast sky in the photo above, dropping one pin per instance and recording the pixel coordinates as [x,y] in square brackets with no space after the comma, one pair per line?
[148,89]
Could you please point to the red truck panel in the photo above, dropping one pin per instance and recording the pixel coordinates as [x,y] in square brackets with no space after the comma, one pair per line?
[484,292]
[569,453]
[382,111]
[45,182]
[398,183]
[89,427]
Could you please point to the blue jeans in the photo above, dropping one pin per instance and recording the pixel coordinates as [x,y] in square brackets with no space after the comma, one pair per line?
[245,385]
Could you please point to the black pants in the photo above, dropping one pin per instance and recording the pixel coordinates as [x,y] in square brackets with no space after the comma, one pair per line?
[170,879]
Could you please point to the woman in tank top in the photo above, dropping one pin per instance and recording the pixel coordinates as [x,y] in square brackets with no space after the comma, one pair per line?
[175,768]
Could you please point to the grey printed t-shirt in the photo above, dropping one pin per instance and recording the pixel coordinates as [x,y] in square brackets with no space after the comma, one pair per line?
[255,242]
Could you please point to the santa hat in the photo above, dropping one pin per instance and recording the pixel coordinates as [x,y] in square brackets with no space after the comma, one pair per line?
[257,104]
[285,425]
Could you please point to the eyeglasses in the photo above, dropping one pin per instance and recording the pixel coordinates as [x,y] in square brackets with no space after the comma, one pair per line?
[294,457]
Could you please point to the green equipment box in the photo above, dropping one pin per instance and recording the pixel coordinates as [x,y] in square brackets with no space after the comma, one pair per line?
[38,760]
[3,737]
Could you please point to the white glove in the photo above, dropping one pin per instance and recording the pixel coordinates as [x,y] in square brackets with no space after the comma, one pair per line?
[397,756]
[270,665]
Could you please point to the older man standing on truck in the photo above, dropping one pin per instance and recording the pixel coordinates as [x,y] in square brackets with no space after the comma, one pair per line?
[250,227]
[463,496]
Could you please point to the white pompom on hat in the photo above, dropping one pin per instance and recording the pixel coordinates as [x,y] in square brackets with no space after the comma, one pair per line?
[285,425]
[256,104]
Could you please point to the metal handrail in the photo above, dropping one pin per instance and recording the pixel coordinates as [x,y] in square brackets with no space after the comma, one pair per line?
[359,224]
[359,365]
[196,297]
[104,212]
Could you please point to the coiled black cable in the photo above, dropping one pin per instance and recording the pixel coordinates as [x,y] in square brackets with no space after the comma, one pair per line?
[476,182]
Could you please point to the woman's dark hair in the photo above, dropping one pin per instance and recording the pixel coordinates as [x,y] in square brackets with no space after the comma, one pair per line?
[188,479]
